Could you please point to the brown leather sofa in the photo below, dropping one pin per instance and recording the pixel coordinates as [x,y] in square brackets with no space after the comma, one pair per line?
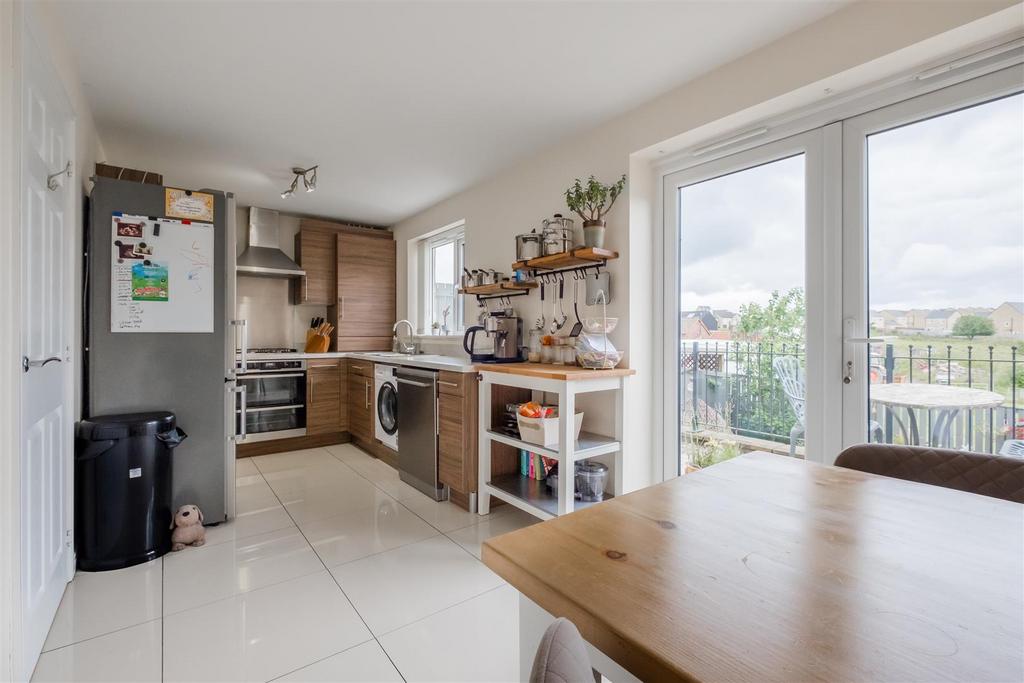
[988,475]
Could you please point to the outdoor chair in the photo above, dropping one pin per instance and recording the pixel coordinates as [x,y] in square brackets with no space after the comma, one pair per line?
[996,476]
[1013,447]
[794,385]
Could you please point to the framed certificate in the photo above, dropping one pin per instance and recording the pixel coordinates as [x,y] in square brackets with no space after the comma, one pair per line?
[189,205]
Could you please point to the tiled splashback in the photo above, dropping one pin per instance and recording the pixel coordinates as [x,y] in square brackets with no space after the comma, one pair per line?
[272,320]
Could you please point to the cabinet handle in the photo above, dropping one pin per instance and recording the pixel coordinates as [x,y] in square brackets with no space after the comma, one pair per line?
[312,386]
[358,367]
[367,395]
[448,384]
[341,301]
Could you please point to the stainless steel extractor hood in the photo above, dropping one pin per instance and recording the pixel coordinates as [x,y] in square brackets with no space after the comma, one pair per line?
[263,257]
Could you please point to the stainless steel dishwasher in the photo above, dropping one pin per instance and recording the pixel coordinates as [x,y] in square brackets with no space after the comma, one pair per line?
[417,431]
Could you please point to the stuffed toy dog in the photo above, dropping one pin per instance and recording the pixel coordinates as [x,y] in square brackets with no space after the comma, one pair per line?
[188,527]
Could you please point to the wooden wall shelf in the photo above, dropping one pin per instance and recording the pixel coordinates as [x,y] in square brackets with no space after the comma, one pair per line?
[584,256]
[498,289]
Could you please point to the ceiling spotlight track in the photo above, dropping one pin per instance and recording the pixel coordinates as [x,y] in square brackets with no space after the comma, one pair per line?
[308,176]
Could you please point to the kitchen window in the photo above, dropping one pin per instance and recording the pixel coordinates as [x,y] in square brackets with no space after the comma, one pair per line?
[443,257]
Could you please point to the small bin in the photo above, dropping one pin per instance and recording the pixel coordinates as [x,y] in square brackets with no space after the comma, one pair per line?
[543,431]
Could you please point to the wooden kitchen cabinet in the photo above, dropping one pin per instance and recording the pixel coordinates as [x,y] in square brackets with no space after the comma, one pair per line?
[365,306]
[326,404]
[457,430]
[360,397]
[314,251]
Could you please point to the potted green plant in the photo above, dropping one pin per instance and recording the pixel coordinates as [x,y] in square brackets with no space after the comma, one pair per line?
[592,202]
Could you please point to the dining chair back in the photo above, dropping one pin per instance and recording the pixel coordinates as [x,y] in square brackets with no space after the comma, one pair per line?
[562,656]
[996,476]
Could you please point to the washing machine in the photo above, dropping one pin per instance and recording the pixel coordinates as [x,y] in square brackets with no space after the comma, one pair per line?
[385,420]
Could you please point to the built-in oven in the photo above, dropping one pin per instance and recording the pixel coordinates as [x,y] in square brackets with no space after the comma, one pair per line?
[275,398]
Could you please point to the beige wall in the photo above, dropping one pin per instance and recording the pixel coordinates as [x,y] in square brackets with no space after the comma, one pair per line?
[853,45]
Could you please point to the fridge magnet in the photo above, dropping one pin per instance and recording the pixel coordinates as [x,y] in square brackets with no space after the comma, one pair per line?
[149,281]
[129,229]
[193,206]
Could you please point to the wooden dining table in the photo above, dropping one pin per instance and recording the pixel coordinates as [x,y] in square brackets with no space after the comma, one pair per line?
[769,568]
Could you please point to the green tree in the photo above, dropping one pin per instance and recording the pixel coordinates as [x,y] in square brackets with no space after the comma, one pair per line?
[768,331]
[972,326]
[781,321]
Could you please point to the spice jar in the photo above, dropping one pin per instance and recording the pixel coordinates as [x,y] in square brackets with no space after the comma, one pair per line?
[533,353]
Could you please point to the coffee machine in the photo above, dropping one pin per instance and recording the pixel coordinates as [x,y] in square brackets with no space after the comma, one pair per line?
[504,334]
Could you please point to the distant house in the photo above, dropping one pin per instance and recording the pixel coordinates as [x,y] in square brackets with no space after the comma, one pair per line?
[916,318]
[705,315]
[941,321]
[727,320]
[888,320]
[693,328]
[1008,319]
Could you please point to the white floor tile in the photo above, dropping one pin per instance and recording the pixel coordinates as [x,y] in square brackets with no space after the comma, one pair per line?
[348,453]
[95,603]
[132,654]
[373,469]
[443,516]
[196,576]
[254,495]
[245,467]
[471,537]
[291,459]
[250,524]
[364,663]
[477,640]
[334,499]
[261,634]
[399,586]
[365,531]
[295,481]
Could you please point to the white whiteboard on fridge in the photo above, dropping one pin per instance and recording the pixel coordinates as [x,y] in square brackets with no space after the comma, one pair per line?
[161,275]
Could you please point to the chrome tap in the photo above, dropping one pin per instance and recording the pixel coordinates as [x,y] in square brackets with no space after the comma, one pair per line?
[397,344]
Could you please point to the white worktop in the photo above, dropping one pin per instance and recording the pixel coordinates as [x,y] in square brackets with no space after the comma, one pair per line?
[427,361]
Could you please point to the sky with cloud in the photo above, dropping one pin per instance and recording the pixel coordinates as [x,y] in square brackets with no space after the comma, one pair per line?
[946,219]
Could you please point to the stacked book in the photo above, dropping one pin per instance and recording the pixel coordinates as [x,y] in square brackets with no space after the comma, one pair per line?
[534,465]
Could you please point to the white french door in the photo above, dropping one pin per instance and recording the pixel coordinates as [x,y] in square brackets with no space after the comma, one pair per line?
[746,312]
[47,224]
[912,218]
[933,232]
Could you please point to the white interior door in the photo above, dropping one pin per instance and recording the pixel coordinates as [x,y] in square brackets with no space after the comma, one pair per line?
[47,401]
[933,232]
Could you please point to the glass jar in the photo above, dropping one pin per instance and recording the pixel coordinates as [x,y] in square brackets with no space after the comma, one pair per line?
[533,353]
[547,354]
[556,352]
[569,353]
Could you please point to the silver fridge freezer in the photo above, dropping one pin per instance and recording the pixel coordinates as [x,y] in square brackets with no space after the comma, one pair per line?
[188,373]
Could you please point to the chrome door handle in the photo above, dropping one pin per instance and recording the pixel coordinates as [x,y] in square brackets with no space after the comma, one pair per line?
[447,384]
[367,395]
[26,363]
[341,302]
[417,384]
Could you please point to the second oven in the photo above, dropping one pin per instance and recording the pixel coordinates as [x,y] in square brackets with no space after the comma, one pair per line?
[274,406]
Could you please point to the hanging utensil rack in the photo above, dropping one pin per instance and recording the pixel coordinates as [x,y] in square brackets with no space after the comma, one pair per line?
[553,268]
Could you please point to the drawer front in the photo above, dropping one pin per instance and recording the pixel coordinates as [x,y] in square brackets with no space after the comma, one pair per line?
[363,368]
[454,383]
[312,363]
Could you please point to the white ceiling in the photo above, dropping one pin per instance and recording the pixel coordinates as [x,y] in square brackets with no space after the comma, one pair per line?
[401,104]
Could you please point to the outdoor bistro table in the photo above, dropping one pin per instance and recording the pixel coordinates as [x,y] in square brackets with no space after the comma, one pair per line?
[944,402]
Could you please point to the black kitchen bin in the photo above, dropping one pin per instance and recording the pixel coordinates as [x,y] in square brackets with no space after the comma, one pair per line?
[123,488]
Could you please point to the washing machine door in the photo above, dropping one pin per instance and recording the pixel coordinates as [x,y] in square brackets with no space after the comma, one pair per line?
[387,408]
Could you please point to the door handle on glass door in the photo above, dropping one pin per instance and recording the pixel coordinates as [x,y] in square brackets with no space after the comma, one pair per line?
[26,363]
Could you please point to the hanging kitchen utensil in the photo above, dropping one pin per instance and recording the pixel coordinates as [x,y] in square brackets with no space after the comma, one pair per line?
[578,326]
[540,320]
[562,317]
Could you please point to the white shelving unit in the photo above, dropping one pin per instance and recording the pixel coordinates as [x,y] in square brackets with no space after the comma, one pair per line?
[566,382]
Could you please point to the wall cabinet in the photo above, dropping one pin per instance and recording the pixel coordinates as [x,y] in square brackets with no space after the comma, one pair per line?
[457,430]
[364,309]
[360,400]
[314,251]
[326,407]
